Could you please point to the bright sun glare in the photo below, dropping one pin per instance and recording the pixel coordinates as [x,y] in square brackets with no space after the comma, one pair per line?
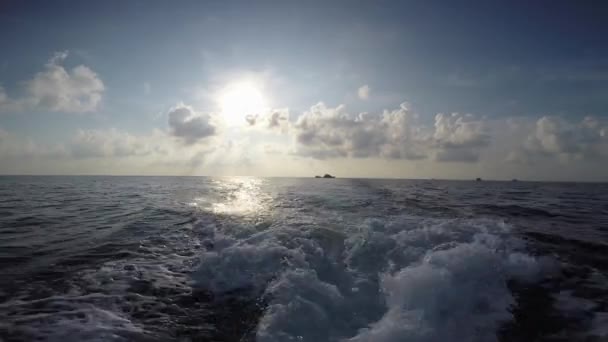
[238,100]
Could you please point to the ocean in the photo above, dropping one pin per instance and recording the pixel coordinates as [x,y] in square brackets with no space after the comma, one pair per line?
[285,259]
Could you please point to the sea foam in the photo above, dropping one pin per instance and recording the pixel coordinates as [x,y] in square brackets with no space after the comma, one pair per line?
[407,278]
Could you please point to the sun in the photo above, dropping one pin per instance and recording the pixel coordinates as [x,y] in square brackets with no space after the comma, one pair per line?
[240,99]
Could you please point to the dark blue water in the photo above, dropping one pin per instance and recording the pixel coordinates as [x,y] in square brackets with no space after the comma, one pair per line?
[245,259]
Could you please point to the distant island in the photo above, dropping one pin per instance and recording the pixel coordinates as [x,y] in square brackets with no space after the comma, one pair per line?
[327,175]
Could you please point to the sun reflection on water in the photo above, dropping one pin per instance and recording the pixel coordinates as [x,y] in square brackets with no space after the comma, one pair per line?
[240,196]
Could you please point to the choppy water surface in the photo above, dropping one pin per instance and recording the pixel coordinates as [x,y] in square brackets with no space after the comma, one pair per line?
[249,259]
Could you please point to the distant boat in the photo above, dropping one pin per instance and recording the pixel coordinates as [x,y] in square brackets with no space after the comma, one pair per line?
[514,180]
[478,179]
[327,175]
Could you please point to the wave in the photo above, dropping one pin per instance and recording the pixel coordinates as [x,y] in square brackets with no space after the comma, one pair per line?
[514,210]
[281,260]
[409,278]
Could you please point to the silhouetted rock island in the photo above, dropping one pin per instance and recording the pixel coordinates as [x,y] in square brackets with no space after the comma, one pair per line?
[327,175]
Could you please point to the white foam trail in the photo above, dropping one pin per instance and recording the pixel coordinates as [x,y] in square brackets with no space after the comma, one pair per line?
[451,294]
[408,279]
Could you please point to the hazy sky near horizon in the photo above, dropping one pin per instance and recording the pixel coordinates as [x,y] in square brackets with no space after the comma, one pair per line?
[414,89]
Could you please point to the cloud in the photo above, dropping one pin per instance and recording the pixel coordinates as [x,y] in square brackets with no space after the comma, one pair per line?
[554,137]
[156,148]
[7,103]
[17,147]
[251,119]
[270,149]
[115,151]
[457,130]
[57,89]
[459,138]
[363,92]
[85,144]
[457,155]
[407,139]
[324,132]
[99,143]
[189,126]
[276,118]
[60,90]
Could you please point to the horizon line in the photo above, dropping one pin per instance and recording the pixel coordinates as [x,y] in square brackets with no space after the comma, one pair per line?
[514,180]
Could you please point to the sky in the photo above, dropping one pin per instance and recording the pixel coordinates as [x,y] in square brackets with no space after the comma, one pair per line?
[390,89]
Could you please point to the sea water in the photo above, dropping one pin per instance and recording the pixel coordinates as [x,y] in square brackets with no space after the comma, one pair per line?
[257,259]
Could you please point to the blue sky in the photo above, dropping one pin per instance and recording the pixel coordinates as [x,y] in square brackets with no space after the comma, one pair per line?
[501,62]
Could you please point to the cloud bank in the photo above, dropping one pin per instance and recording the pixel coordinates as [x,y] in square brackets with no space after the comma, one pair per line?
[395,142]
[556,138]
[97,143]
[323,132]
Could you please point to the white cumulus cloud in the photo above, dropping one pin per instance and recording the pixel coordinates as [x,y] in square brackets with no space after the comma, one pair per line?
[555,137]
[324,132]
[363,92]
[58,89]
[459,137]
